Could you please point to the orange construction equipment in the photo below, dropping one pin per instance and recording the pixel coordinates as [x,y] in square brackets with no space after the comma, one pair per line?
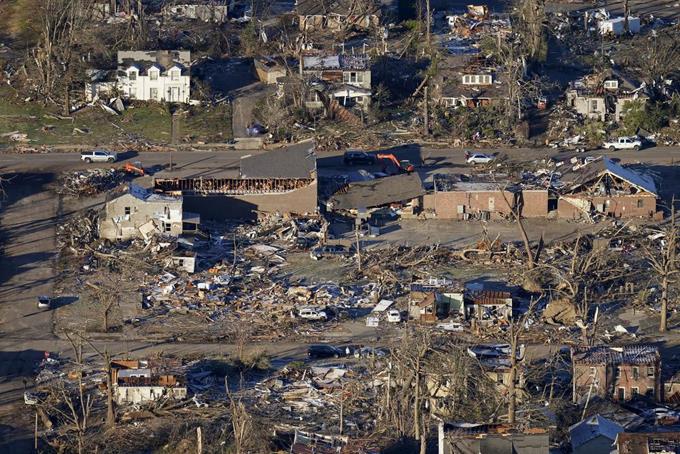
[404,165]
[134,167]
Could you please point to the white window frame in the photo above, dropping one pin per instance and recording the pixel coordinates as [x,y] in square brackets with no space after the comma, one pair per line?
[611,84]
[153,74]
[132,74]
[174,75]
[153,93]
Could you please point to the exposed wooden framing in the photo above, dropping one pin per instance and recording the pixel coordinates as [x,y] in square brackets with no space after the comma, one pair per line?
[229,186]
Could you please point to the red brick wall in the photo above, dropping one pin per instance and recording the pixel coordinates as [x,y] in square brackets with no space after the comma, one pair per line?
[619,206]
[445,204]
[535,203]
[608,383]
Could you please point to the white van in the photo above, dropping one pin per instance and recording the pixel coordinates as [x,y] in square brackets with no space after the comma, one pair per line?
[313,313]
[394,316]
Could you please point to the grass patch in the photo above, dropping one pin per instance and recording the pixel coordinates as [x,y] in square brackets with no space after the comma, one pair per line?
[146,122]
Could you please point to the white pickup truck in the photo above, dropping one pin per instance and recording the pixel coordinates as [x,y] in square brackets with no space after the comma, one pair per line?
[98,156]
[623,143]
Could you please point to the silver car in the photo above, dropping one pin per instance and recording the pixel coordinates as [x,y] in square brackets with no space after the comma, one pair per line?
[98,156]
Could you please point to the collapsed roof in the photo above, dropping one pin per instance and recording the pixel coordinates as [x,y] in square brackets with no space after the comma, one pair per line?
[605,166]
[336,7]
[315,62]
[607,355]
[378,192]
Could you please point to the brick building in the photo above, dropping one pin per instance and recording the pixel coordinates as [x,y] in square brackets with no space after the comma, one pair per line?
[455,198]
[605,188]
[619,373]
[279,181]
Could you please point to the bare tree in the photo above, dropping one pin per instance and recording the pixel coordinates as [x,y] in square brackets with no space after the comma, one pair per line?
[76,339]
[241,422]
[655,57]
[529,25]
[664,264]
[517,329]
[62,23]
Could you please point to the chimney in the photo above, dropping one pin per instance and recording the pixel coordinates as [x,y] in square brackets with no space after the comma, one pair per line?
[164,58]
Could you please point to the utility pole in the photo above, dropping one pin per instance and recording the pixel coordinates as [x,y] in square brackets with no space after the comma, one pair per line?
[426,115]
[342,408]
[358,243]
[429,26]
[174,132]
[35,433]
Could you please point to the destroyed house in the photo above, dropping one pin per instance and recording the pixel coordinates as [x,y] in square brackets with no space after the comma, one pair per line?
[619,373]
[494,359]
[139,213]
[470,88]
[604,96]
[605,188]
[278,181]
[345,79]
[312,443]
[435,299]
[206,11]
[463,198]
[478,21]
[269,70]
[136,382]
[403,191]
[647,443]
[488,306]
[455,438]
[337,15]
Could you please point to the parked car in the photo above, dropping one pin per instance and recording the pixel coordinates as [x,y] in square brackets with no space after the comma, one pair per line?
[98,156]
[313,313]
[366,352]
[44,302]
[323,351]
[393,316]
[353,158]
[478,158]
[623,143]
[328,251]
[453,327]
[33,398]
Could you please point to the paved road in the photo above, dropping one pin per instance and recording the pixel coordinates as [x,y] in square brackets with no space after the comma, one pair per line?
[228,160]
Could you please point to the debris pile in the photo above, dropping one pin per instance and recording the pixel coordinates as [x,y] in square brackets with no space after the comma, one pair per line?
[78,231]
[90,182]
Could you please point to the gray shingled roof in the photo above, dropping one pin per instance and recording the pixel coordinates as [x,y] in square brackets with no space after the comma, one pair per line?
[604,354]
[296,161]
[378,192]
[593,427]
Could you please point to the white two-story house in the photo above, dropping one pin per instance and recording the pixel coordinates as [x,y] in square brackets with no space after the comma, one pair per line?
[155,76]
[162,75]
